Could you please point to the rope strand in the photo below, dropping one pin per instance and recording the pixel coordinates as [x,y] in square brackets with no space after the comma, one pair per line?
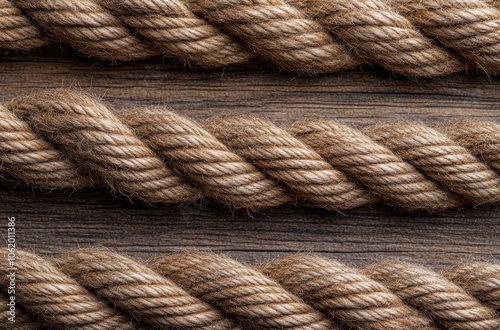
[411,37]
[99,289]
[67,139]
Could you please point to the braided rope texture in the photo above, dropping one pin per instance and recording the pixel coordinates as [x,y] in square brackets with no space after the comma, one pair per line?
[66,139]
[99,289]
[412,37]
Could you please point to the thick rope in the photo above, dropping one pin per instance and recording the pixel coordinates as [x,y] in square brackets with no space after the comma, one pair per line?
[67,139]
[411,37]
[99,289]
[23,320]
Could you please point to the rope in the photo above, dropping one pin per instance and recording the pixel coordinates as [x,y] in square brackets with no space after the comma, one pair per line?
[70,140]
[99,289]
[412,37]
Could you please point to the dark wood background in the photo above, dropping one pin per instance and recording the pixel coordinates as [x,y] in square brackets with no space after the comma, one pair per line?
[49,223]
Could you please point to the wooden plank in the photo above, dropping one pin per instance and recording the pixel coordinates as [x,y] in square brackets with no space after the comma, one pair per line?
[57,221]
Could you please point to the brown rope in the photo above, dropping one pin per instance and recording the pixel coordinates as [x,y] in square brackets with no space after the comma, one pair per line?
[99,289]
[23,320]
[411,37]
[67,139]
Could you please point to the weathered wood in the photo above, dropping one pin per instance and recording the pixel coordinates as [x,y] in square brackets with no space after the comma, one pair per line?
[53,222]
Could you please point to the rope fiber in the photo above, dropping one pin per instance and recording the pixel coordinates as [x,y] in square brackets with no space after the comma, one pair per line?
[412,37]
[100,289]
[66,139]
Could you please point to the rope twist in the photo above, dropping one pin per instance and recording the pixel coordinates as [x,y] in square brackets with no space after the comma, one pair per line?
[67,139]
[99,289]
[411,37]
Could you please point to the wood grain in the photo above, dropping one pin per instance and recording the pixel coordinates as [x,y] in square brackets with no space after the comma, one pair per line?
[49,223]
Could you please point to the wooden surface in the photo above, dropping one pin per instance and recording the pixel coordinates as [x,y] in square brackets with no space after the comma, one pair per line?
[49,223]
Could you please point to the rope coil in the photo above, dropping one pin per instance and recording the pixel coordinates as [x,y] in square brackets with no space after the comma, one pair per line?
[411,37]
[99,289]
[67,139]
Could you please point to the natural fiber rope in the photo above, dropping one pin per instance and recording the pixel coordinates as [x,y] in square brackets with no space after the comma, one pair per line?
[67,139]
[412,37]
[99,289]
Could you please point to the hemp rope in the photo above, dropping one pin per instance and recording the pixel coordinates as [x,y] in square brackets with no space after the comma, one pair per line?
[67,139]
[412,37]
[99,289]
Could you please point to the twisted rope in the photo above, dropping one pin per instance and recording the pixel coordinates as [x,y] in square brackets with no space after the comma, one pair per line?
[99,289]
[67,139]
[411,37]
